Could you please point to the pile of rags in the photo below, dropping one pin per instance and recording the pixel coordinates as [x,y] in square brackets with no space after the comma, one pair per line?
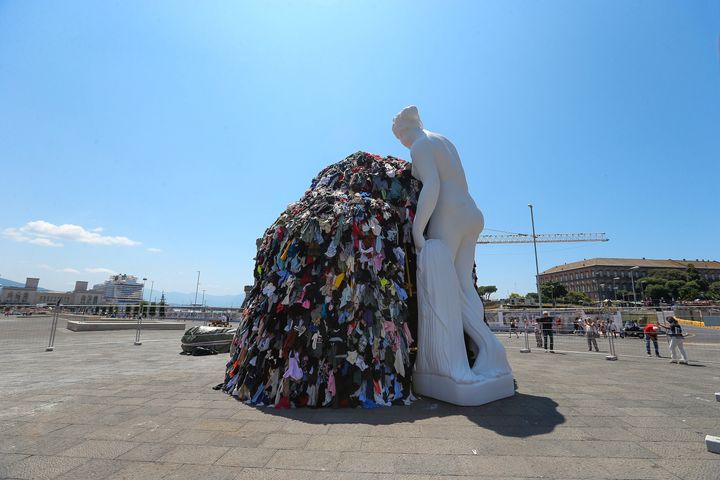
[331,316]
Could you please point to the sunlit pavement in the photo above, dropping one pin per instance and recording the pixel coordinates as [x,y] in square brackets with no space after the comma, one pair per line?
[100,407]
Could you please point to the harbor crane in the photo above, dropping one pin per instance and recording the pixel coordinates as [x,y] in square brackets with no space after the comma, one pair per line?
[510,238]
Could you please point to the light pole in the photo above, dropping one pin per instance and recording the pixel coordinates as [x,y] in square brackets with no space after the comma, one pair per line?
[537,268]
[615,288]
[139,320]
[632,282]
[203,299]
[152,284]
[197,284]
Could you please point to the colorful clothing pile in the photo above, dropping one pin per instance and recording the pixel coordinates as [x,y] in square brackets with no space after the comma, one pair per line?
[332,313]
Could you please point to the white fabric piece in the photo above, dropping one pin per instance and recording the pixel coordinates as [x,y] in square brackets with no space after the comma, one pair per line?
[445,312]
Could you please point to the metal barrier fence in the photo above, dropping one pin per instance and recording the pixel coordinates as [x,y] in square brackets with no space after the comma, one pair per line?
[32,328]
[702,345]
[37,329]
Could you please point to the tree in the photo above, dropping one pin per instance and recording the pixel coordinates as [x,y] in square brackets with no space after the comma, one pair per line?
[657,292]
[486,290]
[532,296]
[674,287]
[553,291]
[161,310]
[578,298]
[689,291]
[515,296]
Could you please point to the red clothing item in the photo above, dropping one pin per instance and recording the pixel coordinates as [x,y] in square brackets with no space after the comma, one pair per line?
[650,329]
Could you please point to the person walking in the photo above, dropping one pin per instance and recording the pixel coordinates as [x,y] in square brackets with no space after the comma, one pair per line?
[612,328]
[538,334]
[651,331]
[674,331]
[513,328]
[546,322]
[591,334]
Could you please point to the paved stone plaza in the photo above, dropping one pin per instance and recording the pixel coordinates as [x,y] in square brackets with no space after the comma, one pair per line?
[124,412]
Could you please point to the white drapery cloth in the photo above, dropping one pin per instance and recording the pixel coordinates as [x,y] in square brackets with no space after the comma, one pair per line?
[445,312]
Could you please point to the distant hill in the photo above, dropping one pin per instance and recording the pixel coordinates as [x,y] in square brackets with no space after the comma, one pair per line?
[5,282]
[173,298]
[179,298]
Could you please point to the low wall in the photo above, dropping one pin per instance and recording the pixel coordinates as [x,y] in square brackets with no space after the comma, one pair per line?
[102,325]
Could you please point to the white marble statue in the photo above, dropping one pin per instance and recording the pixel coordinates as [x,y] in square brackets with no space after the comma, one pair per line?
[448,304]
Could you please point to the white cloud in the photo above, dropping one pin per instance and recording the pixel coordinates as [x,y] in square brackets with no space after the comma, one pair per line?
[44,242]
[99,270]
[45,266]
[46,234]
[154,250]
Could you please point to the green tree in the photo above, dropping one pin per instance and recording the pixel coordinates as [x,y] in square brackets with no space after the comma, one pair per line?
[553,291]
[657,292]
[714,290]
[674,287]
[161,312]
[486,290]
[690,291]
[577,298]
[515,296]
[532,296]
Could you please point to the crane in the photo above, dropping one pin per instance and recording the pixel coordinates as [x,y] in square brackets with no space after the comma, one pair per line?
[509,238]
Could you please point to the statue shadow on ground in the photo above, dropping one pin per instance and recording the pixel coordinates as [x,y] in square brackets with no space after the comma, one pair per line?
[521,415]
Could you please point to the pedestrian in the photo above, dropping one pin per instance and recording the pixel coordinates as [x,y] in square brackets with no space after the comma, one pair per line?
[591,334]
[651,331]
[538,334]
[576,326]
[546,322]
[513,328]
[612,328]
[674,331]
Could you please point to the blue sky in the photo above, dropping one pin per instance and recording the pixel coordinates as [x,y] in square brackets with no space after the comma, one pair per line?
[173,133]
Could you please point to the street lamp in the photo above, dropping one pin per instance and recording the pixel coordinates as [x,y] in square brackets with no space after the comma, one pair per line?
[615,288]
[197,284]
[139,320]
[632,282]
[152,284]
[537,268]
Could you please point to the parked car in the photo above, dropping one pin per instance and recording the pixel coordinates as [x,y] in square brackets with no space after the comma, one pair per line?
[204,340]
[632,330]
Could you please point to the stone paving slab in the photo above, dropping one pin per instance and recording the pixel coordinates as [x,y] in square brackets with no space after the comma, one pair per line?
[118,411]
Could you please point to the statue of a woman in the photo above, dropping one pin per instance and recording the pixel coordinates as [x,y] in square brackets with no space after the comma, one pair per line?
[448,304]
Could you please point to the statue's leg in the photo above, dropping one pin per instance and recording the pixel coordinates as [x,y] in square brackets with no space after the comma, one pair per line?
[490,357]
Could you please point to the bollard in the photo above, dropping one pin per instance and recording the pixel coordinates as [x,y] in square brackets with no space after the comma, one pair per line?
[527,342]
[53,329]
[611,345]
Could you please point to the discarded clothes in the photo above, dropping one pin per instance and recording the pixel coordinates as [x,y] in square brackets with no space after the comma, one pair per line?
[332,313]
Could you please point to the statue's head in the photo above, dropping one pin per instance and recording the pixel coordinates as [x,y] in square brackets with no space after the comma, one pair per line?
[406,124]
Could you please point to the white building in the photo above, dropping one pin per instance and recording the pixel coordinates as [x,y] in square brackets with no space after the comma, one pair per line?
[121,289]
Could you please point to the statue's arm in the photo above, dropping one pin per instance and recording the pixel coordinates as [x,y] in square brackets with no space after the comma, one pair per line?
[426,172]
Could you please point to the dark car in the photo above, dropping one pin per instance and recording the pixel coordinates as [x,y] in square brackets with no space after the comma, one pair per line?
[632,330]
[204,340]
